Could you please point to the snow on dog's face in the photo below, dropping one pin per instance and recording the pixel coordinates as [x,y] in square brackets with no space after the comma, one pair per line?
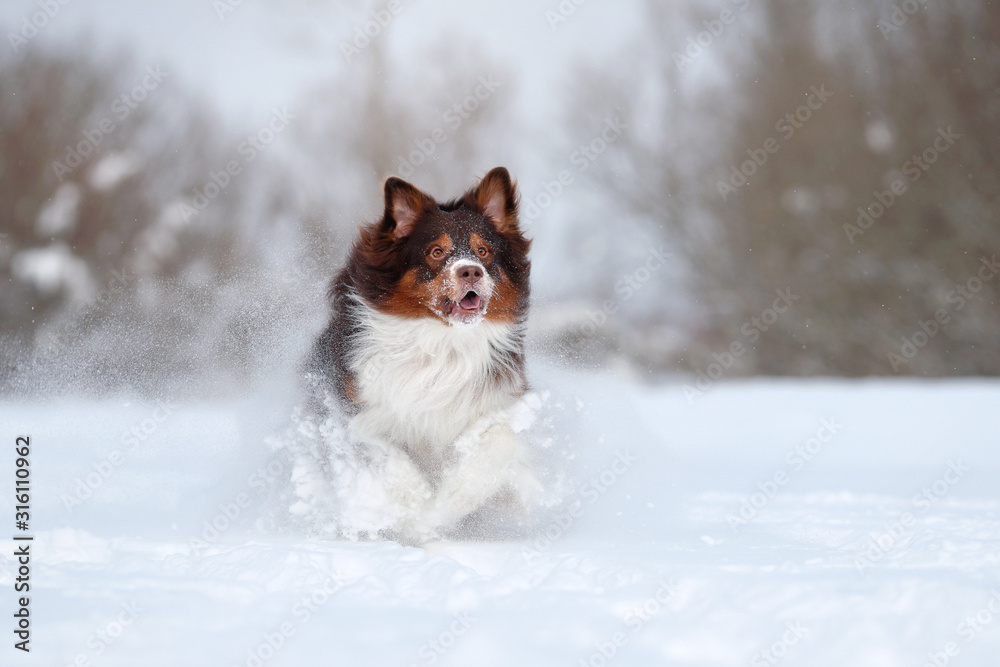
[460,261]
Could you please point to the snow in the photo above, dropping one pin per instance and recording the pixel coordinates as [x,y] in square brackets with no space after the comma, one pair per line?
[52,268]
[59,215]
[642,561]
[112,169]
[348,484]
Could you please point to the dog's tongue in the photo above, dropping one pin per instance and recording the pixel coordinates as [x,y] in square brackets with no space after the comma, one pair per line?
[470,301]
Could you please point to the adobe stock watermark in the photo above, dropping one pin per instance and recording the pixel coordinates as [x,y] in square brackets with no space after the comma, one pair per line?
[306,270]
[49,345]
[271,642]
[588,493]
[248,150]
[371,29]
[913,169]
[900,16]
[581,158]
[626,288]
[562,12]
[697,44]
[121,108]
[607,649]
[36,22]
[225,7]
[131,439]
[778,649]
[796,459]
[786,126]
[957,299]
[453,118]
[752,330]
[895,533]
[108,634]
[968,629]
[259,482]
[433,649]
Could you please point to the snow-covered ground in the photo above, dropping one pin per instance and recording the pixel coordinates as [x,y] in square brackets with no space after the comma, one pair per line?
[763,522]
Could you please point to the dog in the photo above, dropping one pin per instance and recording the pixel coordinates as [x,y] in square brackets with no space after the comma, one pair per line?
[424,352]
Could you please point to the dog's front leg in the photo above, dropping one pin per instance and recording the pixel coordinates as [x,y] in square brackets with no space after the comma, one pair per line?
[488,463]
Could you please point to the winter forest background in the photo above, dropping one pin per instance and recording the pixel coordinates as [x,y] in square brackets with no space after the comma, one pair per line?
[718,188]
[743,201]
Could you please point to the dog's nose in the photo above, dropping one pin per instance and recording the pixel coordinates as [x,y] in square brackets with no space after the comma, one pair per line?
[470,272]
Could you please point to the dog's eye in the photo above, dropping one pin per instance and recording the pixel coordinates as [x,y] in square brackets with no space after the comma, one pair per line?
[437,252]
[482,251]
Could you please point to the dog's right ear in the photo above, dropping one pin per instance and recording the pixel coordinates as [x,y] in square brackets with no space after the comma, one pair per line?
[404,204]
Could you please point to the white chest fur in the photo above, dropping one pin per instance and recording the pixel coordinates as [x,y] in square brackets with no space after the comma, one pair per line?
[422,382]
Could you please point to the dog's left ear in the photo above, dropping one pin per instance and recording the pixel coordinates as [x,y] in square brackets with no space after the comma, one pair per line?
[496,196]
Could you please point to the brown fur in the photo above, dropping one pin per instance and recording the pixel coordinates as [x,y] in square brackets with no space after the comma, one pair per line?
[391,268]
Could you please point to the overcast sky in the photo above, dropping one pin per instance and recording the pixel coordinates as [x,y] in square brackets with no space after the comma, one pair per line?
[262,53]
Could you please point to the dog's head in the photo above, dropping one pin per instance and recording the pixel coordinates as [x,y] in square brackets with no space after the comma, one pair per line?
[461,261]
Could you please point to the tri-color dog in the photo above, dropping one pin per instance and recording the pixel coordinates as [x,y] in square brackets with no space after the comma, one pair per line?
[425,349]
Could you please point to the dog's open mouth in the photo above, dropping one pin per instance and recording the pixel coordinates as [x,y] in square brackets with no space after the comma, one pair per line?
[468,306]
[470,302]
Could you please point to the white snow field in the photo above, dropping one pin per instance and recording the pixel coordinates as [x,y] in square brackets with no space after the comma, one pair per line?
[765,522]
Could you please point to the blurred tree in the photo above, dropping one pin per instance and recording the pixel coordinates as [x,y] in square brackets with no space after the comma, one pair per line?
[433,120]
[96,159]
[779,173]
[141,262]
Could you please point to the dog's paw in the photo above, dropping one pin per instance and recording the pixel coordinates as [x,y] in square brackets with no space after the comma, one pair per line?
[489,467]
[404,481]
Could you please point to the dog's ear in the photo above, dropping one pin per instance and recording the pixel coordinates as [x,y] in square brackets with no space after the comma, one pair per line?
[496,196]
[404,204]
